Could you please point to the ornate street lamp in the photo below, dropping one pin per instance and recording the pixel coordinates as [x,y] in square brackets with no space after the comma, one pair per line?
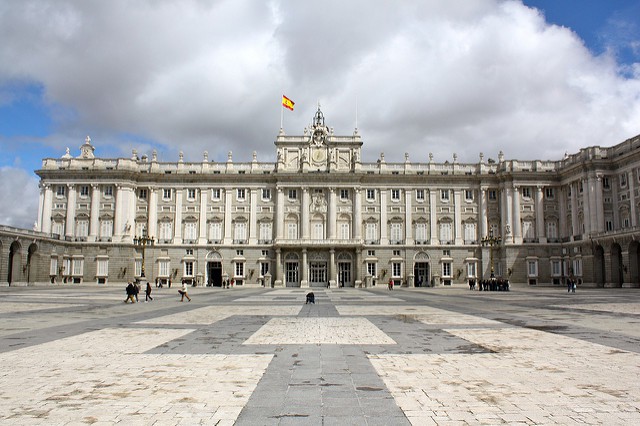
[491,241]
[143,241]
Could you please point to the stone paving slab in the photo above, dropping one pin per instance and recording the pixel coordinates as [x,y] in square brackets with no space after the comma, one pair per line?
[618,308]
[212,314]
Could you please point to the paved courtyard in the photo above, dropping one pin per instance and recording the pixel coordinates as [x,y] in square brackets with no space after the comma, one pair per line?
[79,356]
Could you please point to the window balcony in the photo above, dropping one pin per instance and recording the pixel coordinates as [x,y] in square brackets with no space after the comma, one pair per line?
[242,241]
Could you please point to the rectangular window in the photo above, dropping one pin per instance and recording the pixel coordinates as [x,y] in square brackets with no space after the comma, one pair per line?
[623,181]
[164,267]
[552,230]
[371,194]
[606,184]
[142,193]
[240,231]
[188,269]
[396,232]
[372,269]
[190,231]
[106,228]
[293,194]
[108,191]
[317,230]
[469,233]
[446,269]
[396,269]
[264,268]
[371,252]
[266,194]
[471,270]
[292,230]
[265,231]
[215,194]
[526,192]
[191,194]
[344,194]
[446,235]
[528,230]
[84,191]
[421,232]
[240,252]
[371,232]
[103,267]
[60,191]
[239,269]
[444,195]
[468,194]
[137,265]
[532,268]
[240,194]
[165,232]
[188,252]
[77,267]
[577,267]
[420,194]
[215,231]
[556,268]
[345,233]
[166,194]
[493,195]
[82,228]
[549,193]
[608,225]
[395,194]
[53,266]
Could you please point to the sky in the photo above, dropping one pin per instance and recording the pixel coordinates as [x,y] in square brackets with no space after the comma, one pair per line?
[533,78]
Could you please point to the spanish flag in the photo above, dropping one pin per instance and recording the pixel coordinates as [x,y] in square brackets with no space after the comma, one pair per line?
[287,103]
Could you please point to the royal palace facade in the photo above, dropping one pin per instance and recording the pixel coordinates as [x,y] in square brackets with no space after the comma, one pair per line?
[320,216]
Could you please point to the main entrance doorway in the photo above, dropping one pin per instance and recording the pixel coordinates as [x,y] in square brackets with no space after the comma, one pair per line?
[318,275]
[344,274]
[291,274]
[214,274]
[421,274]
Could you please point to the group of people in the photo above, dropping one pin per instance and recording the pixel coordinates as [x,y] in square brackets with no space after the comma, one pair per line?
[492,284]
[133,289]
[571,285]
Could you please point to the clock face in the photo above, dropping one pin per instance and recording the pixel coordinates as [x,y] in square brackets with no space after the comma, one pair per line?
[319,155]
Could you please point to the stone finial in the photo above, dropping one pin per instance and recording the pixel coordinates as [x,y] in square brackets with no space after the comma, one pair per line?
[481,157]
[154,155]
[134,154]
[255,156]
[431,157]
[455,157]
[67,154]
[205,156]
[230,156]
[181,157]
[501,157]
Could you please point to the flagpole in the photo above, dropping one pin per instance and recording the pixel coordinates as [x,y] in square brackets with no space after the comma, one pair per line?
[281,114]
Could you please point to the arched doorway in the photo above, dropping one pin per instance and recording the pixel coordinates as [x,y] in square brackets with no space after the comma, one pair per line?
[292,270]
[214,269]
[345,266]
[599,266]
[31,254]
[15,260]
[617,277]
[421,270]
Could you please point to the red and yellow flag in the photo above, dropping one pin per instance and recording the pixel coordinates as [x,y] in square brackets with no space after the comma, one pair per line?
[287,103]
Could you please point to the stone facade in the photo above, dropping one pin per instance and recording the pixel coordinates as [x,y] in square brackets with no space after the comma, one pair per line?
[320,216]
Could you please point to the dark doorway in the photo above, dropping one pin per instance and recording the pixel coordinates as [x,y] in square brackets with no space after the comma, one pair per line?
[214,274]
[598,266]
[421,274]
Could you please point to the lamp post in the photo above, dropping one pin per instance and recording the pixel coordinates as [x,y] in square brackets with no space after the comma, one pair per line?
[143,241]
[491,241]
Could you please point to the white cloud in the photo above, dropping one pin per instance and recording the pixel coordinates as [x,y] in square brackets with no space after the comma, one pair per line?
[428,76]
[19,191]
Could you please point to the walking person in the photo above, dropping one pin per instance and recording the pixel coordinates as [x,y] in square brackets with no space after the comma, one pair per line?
[390,284]
[136,290]
[147,293]
[130,293]
[183,292]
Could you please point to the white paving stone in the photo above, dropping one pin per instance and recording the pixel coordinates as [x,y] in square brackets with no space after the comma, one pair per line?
[328,330]
[212,314]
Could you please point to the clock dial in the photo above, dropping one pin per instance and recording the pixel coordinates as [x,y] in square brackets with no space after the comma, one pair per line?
[319,155]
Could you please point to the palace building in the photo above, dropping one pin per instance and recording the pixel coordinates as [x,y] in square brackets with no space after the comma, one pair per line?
[320,216]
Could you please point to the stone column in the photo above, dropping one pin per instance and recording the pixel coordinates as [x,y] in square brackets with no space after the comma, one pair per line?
[331,225]
[384,239]
[304,214]
[484,220]
[586,207]
[433,218]
[228,205]
[408,228]
[575,226]
[457,217]
[45,217]
[599,205]
[153,213]
[517,225]
[94,222]
[539,207]
[278,282]
[562,208]
[253,216]
[71,211]
[177,236]
[632,199]
[280,234]
[304,282]
[332,268]
[357,214]
[118,220]
[202,219]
